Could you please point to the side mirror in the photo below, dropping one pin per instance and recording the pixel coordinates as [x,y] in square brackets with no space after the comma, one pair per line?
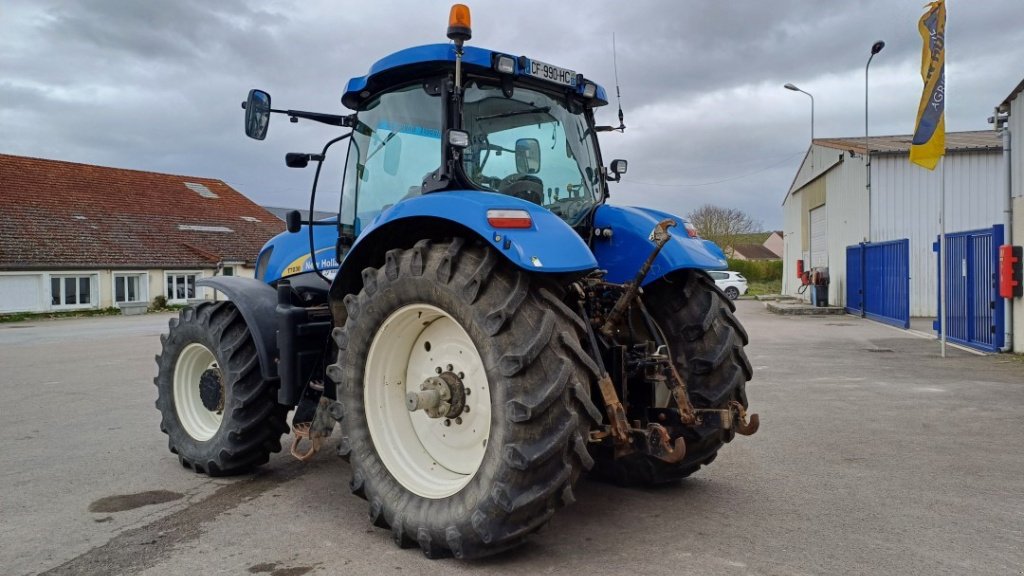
[527,156]
[619,168]
[257,114]
[393,154]
[293,221]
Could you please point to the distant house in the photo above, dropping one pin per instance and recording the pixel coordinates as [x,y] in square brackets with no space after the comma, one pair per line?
[757,246]
[775,243]
[76,236]
[753,252]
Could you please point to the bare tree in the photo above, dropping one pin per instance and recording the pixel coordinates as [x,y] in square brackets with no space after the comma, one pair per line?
[722,225]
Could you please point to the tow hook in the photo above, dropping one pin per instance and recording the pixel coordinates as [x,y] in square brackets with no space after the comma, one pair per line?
[328,412]
[743,426]
[660,446]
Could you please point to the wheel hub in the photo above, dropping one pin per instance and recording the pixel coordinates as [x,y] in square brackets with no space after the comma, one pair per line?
[427,400]
[441,396]
[211,390]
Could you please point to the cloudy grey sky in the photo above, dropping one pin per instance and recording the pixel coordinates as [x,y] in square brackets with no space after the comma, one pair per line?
[156,85]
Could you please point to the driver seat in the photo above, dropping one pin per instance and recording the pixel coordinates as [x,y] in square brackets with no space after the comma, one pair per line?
[526,187]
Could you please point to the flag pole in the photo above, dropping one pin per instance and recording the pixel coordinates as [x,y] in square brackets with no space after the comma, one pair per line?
[942,254]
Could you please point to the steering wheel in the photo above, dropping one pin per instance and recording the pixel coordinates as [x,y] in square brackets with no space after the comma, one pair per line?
[524,186]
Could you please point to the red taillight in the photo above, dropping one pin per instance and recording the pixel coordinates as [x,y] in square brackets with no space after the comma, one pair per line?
[691,230]
[509,219]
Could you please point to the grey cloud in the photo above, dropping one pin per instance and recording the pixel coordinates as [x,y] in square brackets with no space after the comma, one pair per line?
[157,85]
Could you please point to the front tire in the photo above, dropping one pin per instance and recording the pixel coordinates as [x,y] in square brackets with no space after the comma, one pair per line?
[220,416]
[481,486]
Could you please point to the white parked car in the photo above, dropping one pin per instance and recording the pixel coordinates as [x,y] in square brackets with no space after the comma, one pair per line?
[732,283]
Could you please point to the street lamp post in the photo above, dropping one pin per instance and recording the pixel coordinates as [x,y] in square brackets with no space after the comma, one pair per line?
[789,86]
[875,49]
[795,89]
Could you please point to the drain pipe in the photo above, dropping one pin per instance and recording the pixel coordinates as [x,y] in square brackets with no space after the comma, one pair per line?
[1002,123]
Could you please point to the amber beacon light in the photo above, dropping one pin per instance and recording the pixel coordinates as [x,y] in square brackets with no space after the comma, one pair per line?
[459,23]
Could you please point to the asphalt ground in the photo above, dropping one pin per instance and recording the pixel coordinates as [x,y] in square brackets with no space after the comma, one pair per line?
[875,456]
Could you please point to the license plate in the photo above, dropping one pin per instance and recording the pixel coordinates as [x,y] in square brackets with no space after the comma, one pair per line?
[545,71]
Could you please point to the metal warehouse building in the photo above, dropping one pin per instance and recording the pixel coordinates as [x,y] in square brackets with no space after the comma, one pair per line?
[877,235]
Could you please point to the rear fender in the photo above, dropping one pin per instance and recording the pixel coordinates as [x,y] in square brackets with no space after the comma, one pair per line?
[625,251]
[549,245]
[257,303]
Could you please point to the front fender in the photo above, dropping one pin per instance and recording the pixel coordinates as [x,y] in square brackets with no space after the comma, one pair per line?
[626,250]
[257,302]
[549,245]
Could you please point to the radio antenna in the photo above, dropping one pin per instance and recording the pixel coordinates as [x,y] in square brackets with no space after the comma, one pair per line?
[618,94]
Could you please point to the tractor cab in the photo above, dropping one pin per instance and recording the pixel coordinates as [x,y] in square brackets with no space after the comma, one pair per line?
[509,125]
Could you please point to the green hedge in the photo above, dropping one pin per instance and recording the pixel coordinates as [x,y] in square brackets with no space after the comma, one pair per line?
[757,270]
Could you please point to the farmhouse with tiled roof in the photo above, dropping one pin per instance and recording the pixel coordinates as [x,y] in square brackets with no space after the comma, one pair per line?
[77,236]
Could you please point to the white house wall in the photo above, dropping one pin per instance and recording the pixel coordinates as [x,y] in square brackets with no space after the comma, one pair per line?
[905,204]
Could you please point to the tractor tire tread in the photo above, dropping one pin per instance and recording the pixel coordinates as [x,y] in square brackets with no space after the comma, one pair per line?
[253,421]
[538,404]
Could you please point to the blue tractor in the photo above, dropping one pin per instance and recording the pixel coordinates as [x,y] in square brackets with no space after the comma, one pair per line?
[478,322]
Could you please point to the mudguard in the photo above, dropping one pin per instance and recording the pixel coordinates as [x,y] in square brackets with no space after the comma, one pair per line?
[549,245]
[258,303]
[626,250]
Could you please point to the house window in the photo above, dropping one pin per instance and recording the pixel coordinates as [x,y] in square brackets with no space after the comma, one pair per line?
[67,291]
[181,286]
[129,288]
[228,271]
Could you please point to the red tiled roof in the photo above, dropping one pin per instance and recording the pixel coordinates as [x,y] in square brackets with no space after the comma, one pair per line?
[64,214]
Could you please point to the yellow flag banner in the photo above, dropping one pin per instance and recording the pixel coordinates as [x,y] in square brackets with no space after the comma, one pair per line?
[929,143]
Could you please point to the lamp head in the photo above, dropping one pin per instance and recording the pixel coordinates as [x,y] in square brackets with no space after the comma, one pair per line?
[789,86]
[877,47]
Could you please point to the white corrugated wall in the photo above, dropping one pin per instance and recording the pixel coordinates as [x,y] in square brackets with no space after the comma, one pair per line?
[905,204]
[846,199]
[791,232]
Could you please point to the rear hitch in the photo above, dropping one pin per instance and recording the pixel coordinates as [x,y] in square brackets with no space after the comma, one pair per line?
[661,447]
[328,412]
[743,426]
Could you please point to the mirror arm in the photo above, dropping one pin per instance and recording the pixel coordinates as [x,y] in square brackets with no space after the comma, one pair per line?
[330,119]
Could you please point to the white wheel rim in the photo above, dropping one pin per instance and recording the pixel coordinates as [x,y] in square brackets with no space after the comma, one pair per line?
[198,421]
[427,457]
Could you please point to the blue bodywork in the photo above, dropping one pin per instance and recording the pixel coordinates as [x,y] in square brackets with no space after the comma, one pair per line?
[289,254]
[439,54]
[623,253]
[549,245]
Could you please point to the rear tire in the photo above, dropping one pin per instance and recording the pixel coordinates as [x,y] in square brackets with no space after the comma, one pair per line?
[533,379]
[707,342]
[220,416]
[732,292]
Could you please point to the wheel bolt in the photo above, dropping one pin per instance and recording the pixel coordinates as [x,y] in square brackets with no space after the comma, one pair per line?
[468,391]
[438,370]
[461,376]
[458,420]
[449,367]
[447,422]
[466,409]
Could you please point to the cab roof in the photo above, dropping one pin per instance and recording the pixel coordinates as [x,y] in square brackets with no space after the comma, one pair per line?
[392,68]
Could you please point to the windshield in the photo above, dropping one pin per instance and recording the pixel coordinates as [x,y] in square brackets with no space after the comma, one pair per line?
[395,145]
[531,146]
